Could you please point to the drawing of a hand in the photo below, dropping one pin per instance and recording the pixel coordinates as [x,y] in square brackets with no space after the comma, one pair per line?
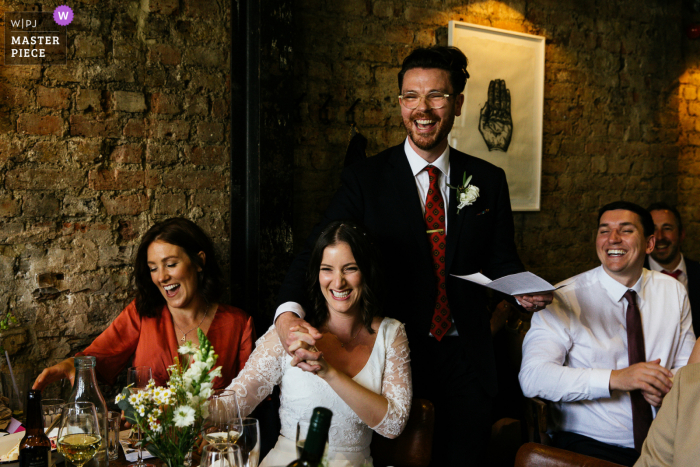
[495,122]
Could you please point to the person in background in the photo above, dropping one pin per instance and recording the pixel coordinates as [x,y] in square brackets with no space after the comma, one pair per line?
[363,372]
[606,349]
[178,284]
[668,258]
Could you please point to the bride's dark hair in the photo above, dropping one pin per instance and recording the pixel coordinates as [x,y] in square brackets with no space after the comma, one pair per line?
[367,258]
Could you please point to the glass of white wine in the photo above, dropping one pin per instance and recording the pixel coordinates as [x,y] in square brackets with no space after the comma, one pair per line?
[79,432]
[221,455]
[137,377]
[219,426]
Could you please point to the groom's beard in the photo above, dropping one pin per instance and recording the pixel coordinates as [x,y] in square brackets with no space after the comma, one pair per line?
[428,139]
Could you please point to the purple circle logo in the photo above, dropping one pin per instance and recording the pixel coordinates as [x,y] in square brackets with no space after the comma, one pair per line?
[63,15]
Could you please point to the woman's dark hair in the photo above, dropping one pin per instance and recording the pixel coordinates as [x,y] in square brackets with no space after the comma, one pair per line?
[188,236]
[367,258]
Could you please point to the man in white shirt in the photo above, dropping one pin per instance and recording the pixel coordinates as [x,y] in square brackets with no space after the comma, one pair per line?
[577,354]
[668,258]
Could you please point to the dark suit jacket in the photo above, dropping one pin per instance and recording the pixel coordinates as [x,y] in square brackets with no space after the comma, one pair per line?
[693,271]
[381,193]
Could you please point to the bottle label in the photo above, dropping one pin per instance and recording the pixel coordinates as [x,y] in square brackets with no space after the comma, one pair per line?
[37,456]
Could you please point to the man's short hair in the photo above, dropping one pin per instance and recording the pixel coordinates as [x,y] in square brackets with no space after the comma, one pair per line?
[450,59]
[644,215]
[661,206]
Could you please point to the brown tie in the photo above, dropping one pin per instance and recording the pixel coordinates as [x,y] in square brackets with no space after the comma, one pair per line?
[641,410]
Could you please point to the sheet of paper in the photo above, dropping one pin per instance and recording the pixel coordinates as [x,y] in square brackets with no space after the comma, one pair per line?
[131,452]
[521,283]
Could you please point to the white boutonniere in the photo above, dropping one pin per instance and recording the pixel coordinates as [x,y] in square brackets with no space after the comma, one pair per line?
[466,193]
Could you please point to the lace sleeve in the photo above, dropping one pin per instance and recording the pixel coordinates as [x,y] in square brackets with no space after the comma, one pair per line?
[396,386]
[262,372]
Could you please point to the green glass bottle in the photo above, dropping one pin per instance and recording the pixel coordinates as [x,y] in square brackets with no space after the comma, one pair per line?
[316,439]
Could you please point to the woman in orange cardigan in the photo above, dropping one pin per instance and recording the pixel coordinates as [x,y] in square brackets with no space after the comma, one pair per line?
[178,284]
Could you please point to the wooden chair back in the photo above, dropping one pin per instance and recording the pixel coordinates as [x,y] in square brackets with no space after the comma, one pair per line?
[413,446]
[539,455]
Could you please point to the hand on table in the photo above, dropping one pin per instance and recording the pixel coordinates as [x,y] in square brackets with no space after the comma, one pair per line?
[534,302]
[495,121]
[650,377]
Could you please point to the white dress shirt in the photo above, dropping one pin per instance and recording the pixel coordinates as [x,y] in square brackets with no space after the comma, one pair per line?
[576,342]
[683,278]
[422,179]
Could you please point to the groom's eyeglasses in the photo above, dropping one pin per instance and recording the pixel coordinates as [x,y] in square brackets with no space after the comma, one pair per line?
[434,100]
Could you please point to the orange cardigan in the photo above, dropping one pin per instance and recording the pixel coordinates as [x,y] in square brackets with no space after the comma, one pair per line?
[152,342]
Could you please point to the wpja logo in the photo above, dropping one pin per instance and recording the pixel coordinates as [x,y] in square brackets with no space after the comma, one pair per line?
[37,38]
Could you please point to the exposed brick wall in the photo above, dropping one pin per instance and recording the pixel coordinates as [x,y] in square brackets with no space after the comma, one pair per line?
[133,130]
[610,118]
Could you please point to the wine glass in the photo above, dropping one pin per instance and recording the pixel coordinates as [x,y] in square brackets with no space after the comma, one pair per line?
[79,434]
[137,377]
[223,410]
[221,455]
[248,440]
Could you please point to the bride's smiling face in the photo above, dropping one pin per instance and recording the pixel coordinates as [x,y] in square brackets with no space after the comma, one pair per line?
[340,278]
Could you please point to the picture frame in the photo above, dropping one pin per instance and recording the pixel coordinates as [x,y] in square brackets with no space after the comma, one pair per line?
[502,117]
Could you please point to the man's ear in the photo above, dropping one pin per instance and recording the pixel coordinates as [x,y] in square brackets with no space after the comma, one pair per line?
[203,259]
[651,242]
[459,102]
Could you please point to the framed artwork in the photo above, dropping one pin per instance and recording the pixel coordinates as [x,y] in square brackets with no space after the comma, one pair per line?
[501,120]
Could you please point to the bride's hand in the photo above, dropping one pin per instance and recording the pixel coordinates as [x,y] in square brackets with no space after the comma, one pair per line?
[303,353]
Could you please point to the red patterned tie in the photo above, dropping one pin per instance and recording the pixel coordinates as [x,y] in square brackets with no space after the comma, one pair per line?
[675,274]
[435,222]
[641,409]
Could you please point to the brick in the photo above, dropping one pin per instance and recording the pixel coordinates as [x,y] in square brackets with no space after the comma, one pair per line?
[205,56]
[48,151]
[215,201]
[201,9]
[84,151]
[14,98]
[165,103]
[127,154]
[71,73]
[127,101]
[425,16]
[88,99]
[55,98]
[155,77]
[400,34]
[152,178]
[8,206]
[209,155]
[210,132]
[125,50]
[172,204]
[165,55]
[220,108]
[81,125]
[76,206]
[115,179]
[161,154]
[122,72]
[9,149]
[201,80]
[21,73]
[125,204]
[44,179]
[194,180]
[89,47]
[135,128]
[175,130]
[40,205]
[33,124]
[163,7]
[196,105]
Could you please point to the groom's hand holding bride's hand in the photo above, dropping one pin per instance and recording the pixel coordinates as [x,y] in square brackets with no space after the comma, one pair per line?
[298,338]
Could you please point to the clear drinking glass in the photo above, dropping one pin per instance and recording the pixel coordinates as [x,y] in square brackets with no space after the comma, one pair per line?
[221,455]
[114,420]
[219,425]
[51,408]
[248,440]
[138,377]
[79,434]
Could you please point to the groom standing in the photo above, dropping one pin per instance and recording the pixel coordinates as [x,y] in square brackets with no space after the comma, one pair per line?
[426,233]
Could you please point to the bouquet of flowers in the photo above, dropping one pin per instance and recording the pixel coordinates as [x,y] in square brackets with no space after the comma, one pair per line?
[171,417]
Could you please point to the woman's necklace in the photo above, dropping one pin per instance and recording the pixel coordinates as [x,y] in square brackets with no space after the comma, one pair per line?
[341,342]
[184,334]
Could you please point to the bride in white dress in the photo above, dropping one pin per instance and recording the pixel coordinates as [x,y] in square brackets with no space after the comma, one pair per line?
[362,372]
